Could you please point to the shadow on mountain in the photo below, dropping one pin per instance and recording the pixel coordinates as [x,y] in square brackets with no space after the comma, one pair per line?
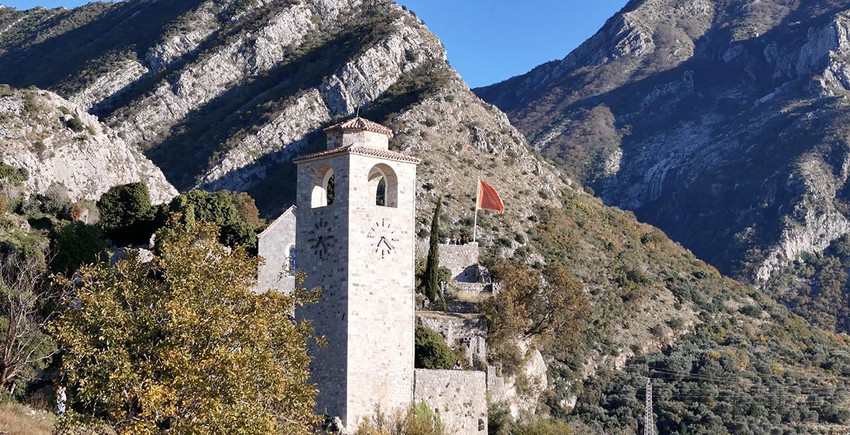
[130,26]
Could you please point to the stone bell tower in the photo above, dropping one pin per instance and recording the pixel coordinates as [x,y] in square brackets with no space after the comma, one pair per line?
[355,241]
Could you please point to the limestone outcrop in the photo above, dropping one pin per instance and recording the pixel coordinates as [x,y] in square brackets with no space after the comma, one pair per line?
[66,150]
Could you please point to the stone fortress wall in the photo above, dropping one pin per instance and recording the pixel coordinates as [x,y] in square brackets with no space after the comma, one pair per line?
[462,260]
[460,397]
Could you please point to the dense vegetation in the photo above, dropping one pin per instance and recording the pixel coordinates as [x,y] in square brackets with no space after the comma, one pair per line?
[183,343]
[44,234]
[816,287]
[128,217]
[723,358]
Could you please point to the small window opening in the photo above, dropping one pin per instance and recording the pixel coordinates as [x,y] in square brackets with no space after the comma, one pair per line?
[324,184]
[381,193]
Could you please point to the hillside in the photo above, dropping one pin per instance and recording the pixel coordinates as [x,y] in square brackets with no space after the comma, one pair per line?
[66,152]
[721,122]
[269,76]
[221,94]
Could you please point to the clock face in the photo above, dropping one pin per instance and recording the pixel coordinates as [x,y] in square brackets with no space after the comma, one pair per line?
[320,239]
[383,238]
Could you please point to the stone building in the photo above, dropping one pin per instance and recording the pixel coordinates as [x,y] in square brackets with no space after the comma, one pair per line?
[354,238]
[355,241]
[277,247]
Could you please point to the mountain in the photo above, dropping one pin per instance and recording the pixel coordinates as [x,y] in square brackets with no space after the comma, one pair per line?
[66,152]
[721,122]
[221,94]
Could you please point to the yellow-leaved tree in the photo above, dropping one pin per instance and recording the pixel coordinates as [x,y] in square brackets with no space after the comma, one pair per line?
[181,343]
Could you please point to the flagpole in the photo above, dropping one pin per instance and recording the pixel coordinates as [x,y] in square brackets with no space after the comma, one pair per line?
[475,220]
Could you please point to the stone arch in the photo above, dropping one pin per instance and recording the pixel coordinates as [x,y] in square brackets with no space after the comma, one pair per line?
[384,183]
[322,194]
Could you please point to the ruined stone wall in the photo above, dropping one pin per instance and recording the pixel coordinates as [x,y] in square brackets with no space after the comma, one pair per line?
[462,260]
[460,397]
[467,330]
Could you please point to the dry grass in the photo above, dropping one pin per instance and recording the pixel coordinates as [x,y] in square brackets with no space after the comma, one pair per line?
[475,298]
[19,419]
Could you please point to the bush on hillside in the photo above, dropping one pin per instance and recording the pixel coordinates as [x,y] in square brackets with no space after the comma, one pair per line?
[431,349]
[126,214]
[419,419]
[218,208]
[75,244]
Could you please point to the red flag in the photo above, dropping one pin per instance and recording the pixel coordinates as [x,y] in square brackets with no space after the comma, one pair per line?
[488,199]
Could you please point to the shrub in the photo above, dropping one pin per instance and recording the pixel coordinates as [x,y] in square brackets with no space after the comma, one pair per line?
[419,419]
[12,174]
[75,244]
[75,124]
[432,352]
[126,214]
[218,208]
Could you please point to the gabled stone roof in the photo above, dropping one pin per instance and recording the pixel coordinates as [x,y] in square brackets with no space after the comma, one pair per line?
[360,150]
[361,124]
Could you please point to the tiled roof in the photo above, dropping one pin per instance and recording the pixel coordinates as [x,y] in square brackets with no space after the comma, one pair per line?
[362,124]
[361,150]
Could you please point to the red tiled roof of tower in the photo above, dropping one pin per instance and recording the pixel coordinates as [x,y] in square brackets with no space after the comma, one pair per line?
[362,150]
[362,124]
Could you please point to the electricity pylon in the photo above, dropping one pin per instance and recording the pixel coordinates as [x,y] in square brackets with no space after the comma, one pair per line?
[648,419]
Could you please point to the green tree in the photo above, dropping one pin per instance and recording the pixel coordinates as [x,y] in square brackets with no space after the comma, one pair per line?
[218,208]
[431,350]
[183,344]
[76,243]
[432,266]
[534,305]
[126,214]
[246,207]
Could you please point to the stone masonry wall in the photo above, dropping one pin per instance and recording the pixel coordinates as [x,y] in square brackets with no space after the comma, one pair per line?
[366,310]
[273,245]
[381,285]
[460,397]
[468,330]
[462,260]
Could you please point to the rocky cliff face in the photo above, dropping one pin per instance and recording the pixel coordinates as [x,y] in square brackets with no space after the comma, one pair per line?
[719,121]
[222,94]
[64,148]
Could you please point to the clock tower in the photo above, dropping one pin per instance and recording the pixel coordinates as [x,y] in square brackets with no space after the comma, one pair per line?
[355,241]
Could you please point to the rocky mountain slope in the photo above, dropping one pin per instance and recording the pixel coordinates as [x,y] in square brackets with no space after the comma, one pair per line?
[221,94]
[66,151]
[722,122]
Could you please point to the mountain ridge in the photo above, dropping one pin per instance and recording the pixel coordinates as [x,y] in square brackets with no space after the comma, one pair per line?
[651,298]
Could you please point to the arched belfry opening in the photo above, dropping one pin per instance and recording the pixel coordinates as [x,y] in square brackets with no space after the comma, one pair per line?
[384,183]
[323,187]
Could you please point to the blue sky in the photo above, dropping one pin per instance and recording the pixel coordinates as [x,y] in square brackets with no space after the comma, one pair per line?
[488,40]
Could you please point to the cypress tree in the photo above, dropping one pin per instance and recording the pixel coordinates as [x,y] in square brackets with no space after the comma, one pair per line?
[432,265]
